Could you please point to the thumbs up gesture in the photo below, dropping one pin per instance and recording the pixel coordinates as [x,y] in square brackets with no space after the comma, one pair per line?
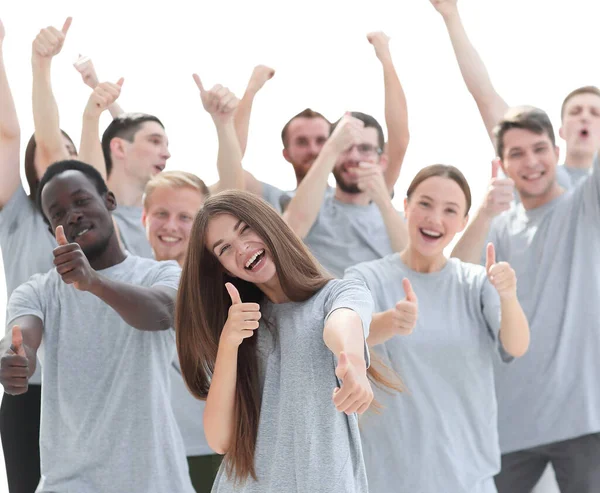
[501,274]
[242,319]
[50,40]
[14,365]
[72,264]
[500,193]
[355,395]
[103,95]
[219,102]
[404,314]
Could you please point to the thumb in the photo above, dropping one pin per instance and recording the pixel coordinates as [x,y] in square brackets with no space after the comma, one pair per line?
[490,256]
[233,293]
[198,82]
[67,25]
[17,339]
[495,167]
[342,366]
[408,290]
[120,82]
[61,239]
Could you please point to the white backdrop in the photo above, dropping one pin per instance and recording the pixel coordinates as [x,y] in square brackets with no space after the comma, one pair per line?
[536,52]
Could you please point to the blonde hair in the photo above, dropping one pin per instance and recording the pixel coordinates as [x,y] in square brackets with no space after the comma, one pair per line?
[174,179]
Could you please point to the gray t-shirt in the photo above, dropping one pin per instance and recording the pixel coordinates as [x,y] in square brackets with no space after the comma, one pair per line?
[133,234]
[304,444]
[27,246]
[344,235]
[107,422]
[189,413]
[552,393]
[441,434]
[278,198]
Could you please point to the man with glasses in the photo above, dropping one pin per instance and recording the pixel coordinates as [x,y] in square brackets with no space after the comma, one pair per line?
[358,222]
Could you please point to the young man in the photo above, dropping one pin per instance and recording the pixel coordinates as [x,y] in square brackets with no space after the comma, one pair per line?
[549,400]
[580,112]
[305,134]
[171,202]
[102,319]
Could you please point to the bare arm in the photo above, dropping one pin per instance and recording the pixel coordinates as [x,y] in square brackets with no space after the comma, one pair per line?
[396,112]
[50,145]
[90,149]
[514,327]
[86,68]
[304,207]
[343,332]
[10,134]
[490,104]
[260,75]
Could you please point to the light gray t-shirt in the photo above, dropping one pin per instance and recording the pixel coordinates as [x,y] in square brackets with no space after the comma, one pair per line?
[133,234]
[27,246]
[344,235]
[275,196]
[304,444]
[441,434]
[189,413]
[552,393]
[107,422]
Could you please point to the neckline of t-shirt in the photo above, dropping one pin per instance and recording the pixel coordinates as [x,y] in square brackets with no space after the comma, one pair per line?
[542,209]
[424,275]
[108,270]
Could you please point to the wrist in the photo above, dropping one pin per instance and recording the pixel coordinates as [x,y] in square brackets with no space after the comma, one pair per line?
[95,284]
[42,62]
[509,298]
[451,16]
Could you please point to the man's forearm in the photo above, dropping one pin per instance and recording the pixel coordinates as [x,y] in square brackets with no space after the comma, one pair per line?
[394,225]
[472,243]
[229,158]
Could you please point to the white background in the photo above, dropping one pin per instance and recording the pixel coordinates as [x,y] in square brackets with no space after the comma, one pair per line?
[536,52]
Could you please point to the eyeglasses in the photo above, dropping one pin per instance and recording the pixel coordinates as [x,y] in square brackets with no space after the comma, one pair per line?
[364,149]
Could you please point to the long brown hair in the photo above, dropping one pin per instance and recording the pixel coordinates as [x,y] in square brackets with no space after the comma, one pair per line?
[203,304]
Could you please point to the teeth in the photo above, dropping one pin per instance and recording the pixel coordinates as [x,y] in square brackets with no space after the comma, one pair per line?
[81,233]
[253,258]
[169,239]
[533,176]
[431,233]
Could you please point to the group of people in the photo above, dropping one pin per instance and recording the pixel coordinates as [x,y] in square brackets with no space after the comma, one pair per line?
[168,336]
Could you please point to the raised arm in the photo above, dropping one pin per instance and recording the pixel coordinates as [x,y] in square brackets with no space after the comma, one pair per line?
[10,134]
[90,149]
[85,67]
[220,103]
[304,207]
[490,104]
[344,336]
[50,144]
[18,350]
[371,180]
[497,200]
[396,112]
[144,308]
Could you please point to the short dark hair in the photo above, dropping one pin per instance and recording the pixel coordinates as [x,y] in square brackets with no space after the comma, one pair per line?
[576,92]
[307,113]
[370,122]
[33,179]
[70,165]
[526,118]
[125,127]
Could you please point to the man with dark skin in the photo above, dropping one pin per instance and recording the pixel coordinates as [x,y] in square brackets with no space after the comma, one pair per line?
[101,319]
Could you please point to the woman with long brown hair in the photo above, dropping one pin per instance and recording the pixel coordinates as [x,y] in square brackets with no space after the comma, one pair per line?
[441,435]
[277,349]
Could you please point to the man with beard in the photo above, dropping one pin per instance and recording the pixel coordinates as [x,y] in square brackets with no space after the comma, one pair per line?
[102,320]
[358,222]
[305,134]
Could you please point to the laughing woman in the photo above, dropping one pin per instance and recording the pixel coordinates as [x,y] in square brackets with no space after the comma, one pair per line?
[278,351]
[441,435]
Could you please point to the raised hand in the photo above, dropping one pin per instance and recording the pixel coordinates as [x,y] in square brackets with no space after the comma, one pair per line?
[355,394]
[501,274]
[371,180]
[14,365]
[219,102]
[50,40]
[445,7]
[260,75]
[242,319]
[406,311]
[500,193]
[346,134]
[381,43]
[85,67]
[72,264]
[105,94]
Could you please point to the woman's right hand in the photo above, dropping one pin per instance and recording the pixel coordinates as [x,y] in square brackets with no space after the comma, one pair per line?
[242,320]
